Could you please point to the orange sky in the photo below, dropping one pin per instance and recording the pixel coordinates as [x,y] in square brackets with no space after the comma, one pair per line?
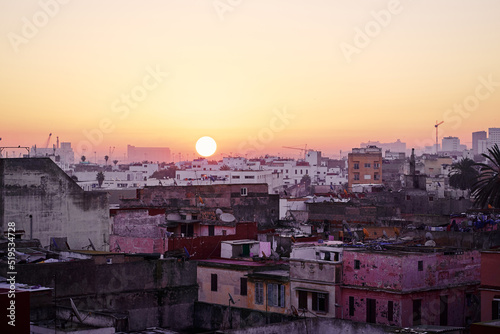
[254,75]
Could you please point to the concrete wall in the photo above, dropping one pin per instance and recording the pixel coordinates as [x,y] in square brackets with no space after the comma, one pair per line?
[228,281]
[58,206]
[257,205]
[399,270]
[490,282]
[152,293]
[315,325]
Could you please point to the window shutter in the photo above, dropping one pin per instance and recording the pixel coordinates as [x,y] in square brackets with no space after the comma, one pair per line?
[314,301]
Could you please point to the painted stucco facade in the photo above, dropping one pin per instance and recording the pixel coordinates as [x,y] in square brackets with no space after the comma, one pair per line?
[315,277]
[490,285]
[406,287]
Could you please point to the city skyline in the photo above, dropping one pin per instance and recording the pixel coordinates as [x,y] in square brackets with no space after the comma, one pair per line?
[255,76]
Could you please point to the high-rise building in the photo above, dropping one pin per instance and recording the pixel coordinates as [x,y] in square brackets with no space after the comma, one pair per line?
[155,154]
[365,166]
[452,144]
[476,137]
[493,136]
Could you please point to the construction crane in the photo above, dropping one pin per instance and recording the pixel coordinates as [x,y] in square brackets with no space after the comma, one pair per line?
[298,148]
[48,141]
[436,126]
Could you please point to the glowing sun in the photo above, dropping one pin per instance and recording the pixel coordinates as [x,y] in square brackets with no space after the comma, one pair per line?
[206,146]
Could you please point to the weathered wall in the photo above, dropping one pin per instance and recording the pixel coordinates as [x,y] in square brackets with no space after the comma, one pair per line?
[458,308]
[218,317]
[58,206]
[490,282]
[228,282]
[397,270]
[152,293]
[314,325]
[257,205]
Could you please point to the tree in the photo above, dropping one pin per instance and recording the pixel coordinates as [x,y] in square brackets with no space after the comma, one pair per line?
[463,174]
[100,178]
[106,158]
[115,162]
[83,158]
[486,190]
[225,167]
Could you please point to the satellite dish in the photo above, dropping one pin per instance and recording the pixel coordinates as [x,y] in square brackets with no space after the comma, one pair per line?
[231,300]
[173,216]
[430,243]
[218,212]
[428,235]
[75,310]
[227,218]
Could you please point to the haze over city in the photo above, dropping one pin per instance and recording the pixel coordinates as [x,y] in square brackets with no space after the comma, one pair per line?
[329,74]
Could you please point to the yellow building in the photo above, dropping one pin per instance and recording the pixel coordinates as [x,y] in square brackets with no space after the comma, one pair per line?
[364,167]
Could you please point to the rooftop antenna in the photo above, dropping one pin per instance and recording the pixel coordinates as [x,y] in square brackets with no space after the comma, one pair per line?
[436,126]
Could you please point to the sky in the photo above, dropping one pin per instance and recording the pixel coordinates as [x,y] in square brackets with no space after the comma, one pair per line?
[255,75]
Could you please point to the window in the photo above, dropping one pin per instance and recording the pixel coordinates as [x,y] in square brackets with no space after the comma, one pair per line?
[301,171]
[276,295]
[356,176]
[235,176]
[371,308]
[431,198]
[307,171]
[243,286]
[249,176]
[357,264]
[367,165]
[320,302]
[211,230]
[417,312]
[356,165]
[420,265]
[214,282]
[495,309]
[243,192]
[367,177]
[376,165]
[443,310]
[296,172]
[259,293]
[351,306]
[376,176]
[302,300]
[390,310]
[408,197]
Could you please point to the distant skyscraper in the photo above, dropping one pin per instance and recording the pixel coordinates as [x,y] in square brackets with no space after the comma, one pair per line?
[493,136]
[452,144]
[476,137]
[155,154]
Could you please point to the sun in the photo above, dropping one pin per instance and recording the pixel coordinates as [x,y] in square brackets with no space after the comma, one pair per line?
[206,146]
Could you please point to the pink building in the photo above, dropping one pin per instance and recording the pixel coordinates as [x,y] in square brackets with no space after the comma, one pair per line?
[490,285]
[410,286]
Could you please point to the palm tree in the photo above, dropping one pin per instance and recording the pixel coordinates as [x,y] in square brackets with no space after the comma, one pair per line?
[106,158]
[463,174]
[100,178]
[83,158]
[115,162]
[487,188]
